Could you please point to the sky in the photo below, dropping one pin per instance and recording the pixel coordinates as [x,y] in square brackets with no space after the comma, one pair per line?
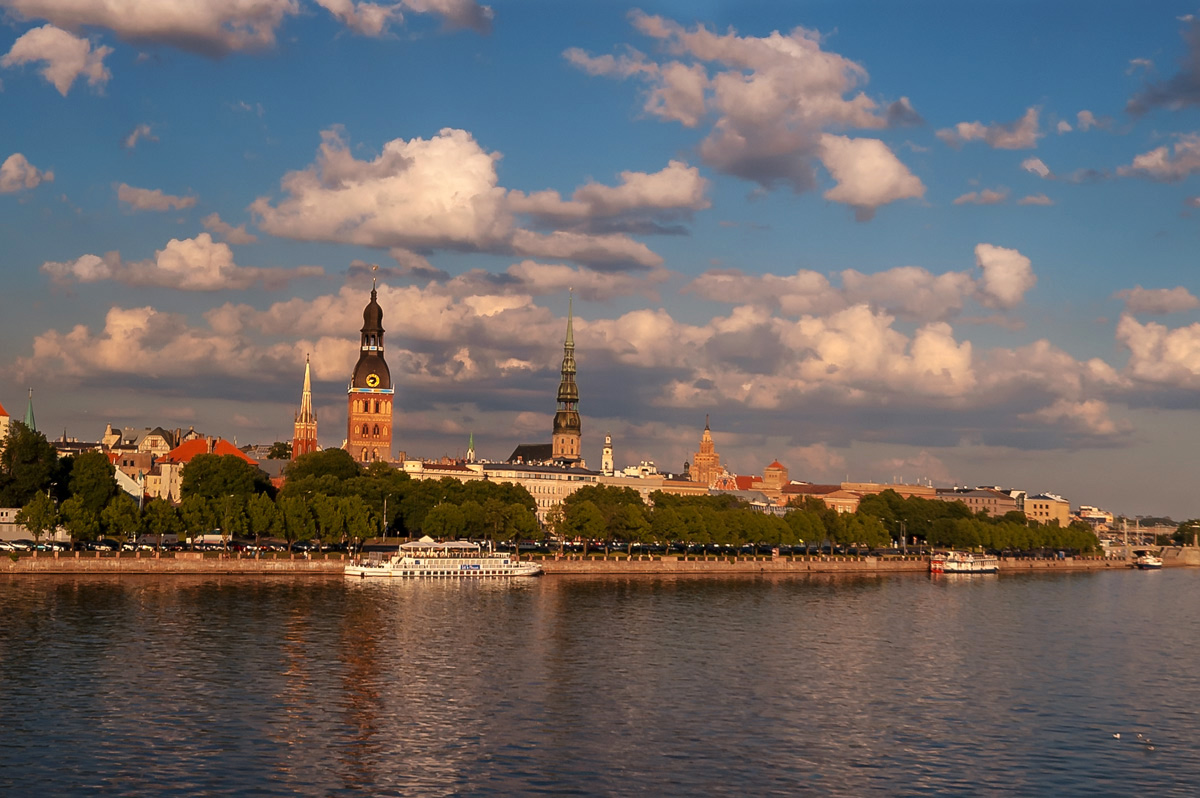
[943,242]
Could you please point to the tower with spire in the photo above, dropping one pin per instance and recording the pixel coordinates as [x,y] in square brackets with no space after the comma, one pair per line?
[471,449]
[29,422]
[606,457]
[567,427]
[706,464]
[304,435]
[370,393]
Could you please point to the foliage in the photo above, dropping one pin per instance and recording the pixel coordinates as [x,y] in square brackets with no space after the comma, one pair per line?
[336,463]
[39,516]
[219,475]
[280,450]
[92,480]
[160,518]
[120,518]
[82,522]
[28,464]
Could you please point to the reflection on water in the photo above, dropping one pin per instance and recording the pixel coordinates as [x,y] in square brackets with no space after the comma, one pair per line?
[819,685]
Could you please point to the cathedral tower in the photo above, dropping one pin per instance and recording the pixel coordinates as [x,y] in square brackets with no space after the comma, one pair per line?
[706,464]
[304,435]
[369,397]
[567,428]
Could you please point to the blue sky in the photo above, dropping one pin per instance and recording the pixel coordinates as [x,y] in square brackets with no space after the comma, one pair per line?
[940,241]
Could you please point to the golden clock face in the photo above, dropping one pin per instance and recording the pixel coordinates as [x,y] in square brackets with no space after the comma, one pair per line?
[372,380]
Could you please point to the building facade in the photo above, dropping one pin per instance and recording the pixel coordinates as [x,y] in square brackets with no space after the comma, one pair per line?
[1047,508]
[370,393]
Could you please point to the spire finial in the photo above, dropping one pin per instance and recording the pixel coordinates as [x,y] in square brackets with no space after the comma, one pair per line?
[570,317]
[374,278]
[706,420]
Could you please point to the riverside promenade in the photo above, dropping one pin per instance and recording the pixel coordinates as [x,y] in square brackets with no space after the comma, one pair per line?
[574,565]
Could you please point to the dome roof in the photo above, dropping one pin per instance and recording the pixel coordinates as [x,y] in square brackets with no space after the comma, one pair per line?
[373,315]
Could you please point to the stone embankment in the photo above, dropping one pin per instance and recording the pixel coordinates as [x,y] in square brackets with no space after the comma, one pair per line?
[212,563]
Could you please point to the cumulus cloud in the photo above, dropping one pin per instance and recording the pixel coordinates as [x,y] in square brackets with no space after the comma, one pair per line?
[1037,167]
[907,291]
[456,13]
[772,102]
[443,193]
[234,235]
[17,173]
[65,56]
[1035,199]
[192,264]
[145,199]
[867,173]
[1063,126]
[1157,300]
[369,19]
[987,196]
[1007,276]
[1161,356]
[140,132]
[1090,417]
[676,189]
[1182,89]
[1019,135]
[1164,165]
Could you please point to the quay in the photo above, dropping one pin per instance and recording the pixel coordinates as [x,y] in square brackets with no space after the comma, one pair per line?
[571,565]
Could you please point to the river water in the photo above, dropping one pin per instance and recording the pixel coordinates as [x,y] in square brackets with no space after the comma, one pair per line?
[805,685]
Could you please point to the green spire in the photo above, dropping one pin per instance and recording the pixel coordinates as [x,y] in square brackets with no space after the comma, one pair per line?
[570,317]
[29,422]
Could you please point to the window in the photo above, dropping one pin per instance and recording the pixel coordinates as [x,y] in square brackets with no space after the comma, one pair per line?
[376,429]
[364,432]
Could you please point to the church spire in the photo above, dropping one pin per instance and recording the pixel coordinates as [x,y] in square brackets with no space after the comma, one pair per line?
[304,437]
[567,427]
[29,422]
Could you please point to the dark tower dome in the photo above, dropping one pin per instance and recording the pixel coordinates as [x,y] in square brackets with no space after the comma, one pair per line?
[373,315]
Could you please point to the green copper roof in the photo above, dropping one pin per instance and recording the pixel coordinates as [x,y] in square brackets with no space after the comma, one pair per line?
[29,422]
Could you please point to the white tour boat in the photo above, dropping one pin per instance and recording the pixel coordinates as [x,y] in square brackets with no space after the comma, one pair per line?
[429,559]
[963,562]
[1148,561]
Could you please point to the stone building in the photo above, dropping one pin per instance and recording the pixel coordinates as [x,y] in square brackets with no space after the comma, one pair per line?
[370,394]
[304,429]
[706,463]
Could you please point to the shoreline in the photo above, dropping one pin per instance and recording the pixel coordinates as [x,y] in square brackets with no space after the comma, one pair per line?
[194,563]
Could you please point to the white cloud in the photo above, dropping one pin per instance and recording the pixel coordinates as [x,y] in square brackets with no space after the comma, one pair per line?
[1087,120]
[544,278]
[1161,164]
[369,19]
[456,13]
[867,173]
[1063,126]
[234,235]
[1019,135]
[17,173]
[1139,63]
[66,57]
[1007,276]
[1161,356]
[598,250]
[212,27]
[145,199]
[1035,199]
[192,264]
[1090,417]
[1037,167]
[772,101]
[142,131]
[678,187]
[1157,300]
[987,196]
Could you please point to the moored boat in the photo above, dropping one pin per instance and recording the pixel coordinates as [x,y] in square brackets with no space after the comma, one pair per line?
[963,562]
[1148,561]
[426,558]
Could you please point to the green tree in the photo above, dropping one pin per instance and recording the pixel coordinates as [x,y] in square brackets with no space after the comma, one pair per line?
[666,526]
[160,518]
[200,516]
[280,450]
[231,512]
[82,522]
[630,525]
[120,518]
[445,521]
[298,521]
[28,464]
[583,520]
[357,518]
[216,476]
[92,481]
[263,516]
[39,515]
[336,463]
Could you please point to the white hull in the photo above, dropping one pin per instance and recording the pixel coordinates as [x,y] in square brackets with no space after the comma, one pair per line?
[957,562]
[426,559]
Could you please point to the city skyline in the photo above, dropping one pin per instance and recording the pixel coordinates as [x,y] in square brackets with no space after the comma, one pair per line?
[951,246]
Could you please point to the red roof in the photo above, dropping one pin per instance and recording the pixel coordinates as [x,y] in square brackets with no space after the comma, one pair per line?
[184,452]
[747,483]
[775,464]
[3,412]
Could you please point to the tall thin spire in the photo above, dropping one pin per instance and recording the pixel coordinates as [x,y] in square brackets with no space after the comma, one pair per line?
[29,422]
[567,427]
[306,408]
[304,436]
